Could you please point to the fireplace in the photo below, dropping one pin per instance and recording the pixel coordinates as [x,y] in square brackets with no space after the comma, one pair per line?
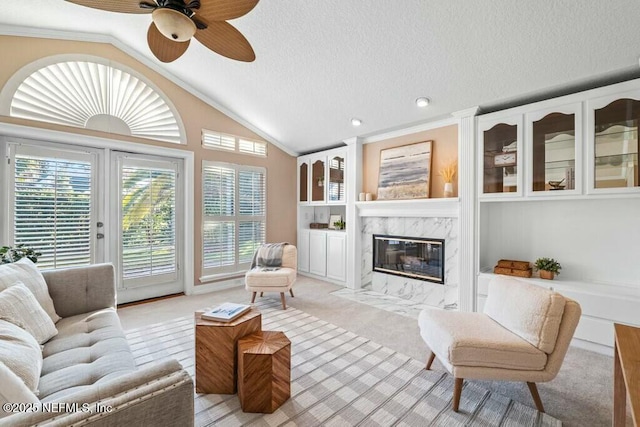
[414,257]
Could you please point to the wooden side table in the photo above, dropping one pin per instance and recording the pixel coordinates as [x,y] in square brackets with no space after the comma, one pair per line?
[626,374]
[264,371]
[216,351]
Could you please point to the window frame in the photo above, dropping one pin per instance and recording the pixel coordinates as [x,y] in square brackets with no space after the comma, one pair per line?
[216,273]
[236,145]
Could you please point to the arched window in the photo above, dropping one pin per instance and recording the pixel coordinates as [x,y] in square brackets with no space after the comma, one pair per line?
[94,94]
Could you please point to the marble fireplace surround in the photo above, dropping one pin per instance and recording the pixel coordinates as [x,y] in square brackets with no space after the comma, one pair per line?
[419,218]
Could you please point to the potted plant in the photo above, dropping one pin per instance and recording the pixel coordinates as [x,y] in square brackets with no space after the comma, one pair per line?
[547,267]
[447,173]
[9,254]
[339,225]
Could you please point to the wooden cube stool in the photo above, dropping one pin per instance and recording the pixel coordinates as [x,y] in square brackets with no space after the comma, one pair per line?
[216,350]
[264,371]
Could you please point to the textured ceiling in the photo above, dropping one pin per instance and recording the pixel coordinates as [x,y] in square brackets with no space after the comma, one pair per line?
[319,63]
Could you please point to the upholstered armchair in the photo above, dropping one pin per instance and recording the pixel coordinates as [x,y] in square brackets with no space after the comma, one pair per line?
[523,335]
[276,280]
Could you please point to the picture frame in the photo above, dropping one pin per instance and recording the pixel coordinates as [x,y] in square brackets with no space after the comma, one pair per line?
[405,171]
[332,219]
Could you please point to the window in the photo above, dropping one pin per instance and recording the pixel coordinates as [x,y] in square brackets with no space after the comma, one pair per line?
[222,141]
[234,216]
[148,253]
[94,95]
[52,204]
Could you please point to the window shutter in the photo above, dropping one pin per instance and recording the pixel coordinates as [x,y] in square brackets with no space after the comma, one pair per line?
[52,209]
[148,222]
[252,147]
[219,244]
[219,191]
[218,140]
[250,236]
[251,193]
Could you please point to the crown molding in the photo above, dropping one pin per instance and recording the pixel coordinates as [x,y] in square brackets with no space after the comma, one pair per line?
[469,112]
[13,30]
[410,130]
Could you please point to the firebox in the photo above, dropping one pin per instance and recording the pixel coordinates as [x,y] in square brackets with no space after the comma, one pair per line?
[419,258]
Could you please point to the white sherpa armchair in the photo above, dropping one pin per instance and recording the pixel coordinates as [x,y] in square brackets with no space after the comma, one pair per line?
[274,280]
[523,335]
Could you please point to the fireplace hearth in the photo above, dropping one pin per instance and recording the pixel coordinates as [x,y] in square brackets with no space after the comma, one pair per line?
[413,257]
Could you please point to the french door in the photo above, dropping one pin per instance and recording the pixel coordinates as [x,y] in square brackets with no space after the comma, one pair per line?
[147,244]
[80,206]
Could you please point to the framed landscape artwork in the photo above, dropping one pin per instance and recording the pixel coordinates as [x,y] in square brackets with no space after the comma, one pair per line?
[405,172]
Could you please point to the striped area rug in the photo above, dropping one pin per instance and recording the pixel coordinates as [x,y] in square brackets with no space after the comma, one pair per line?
[338,379]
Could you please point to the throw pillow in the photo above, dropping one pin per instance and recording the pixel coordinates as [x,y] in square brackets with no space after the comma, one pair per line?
[20,307]
[25,271]
[20,352]
[13,390]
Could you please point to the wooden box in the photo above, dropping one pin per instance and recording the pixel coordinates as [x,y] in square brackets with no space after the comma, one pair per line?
[512,271]
[515,265]
[315,225]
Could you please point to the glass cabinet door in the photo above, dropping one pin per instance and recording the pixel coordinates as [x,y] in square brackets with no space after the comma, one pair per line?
[554,161]
[615,149]
[317,181]
[303,182]
[336,179]
[500,157]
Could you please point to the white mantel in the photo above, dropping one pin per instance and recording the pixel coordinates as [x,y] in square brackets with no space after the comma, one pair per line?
[424,208]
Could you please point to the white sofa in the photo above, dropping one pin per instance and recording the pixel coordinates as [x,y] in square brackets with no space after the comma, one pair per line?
[89,361]
[523,335]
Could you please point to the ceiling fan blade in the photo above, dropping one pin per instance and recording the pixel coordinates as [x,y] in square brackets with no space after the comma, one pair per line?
[124,6]
[224,39]
[223,10]
[164,49]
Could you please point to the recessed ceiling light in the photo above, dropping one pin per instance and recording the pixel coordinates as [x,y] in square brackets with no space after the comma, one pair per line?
[422,102]
[356,122]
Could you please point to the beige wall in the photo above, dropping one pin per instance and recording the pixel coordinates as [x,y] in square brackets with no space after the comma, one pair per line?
[281,167]
[443,150]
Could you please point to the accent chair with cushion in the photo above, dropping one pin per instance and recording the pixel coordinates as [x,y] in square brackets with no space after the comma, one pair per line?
[274,278]
[523,335]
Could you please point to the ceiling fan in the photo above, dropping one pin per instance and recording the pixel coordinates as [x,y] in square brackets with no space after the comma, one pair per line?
[175,22]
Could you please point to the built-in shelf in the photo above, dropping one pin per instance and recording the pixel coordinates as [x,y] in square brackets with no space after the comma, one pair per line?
[442,207]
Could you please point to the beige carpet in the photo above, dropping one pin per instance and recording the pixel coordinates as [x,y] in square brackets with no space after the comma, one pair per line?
[338,378]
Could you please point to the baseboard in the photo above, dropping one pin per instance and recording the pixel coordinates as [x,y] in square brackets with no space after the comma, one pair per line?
[323,278]
[217,286]
[591,346]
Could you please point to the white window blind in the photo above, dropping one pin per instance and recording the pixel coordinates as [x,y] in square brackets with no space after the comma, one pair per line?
[217,140]
[252,147]
[234,220]
[148,221]
[52,205]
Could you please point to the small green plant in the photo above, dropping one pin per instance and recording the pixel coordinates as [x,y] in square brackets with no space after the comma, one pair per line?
[339,225]
[548,264]
[9,254]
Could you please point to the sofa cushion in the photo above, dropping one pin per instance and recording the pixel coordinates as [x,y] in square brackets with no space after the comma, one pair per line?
[532,312]
[25,271]
[280,278]
[13,390]
[20,307]
[474,339]
[90,348]
[20,352]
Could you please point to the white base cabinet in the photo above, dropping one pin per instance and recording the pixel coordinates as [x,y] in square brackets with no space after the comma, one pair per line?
[318,253]
[323,253]
[337,256]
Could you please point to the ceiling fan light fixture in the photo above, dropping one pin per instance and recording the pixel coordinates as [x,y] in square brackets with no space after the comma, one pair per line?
[356,122]
[422,101]
[174,25]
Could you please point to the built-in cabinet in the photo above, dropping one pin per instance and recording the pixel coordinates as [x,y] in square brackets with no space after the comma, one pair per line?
[322,176]
[544,149]
[322,196]
[559,178]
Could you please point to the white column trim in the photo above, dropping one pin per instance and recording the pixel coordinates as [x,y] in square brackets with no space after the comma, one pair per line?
[467,220]
[354,178]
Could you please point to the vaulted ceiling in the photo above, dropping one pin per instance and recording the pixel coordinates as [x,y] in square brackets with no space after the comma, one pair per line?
[320,63]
